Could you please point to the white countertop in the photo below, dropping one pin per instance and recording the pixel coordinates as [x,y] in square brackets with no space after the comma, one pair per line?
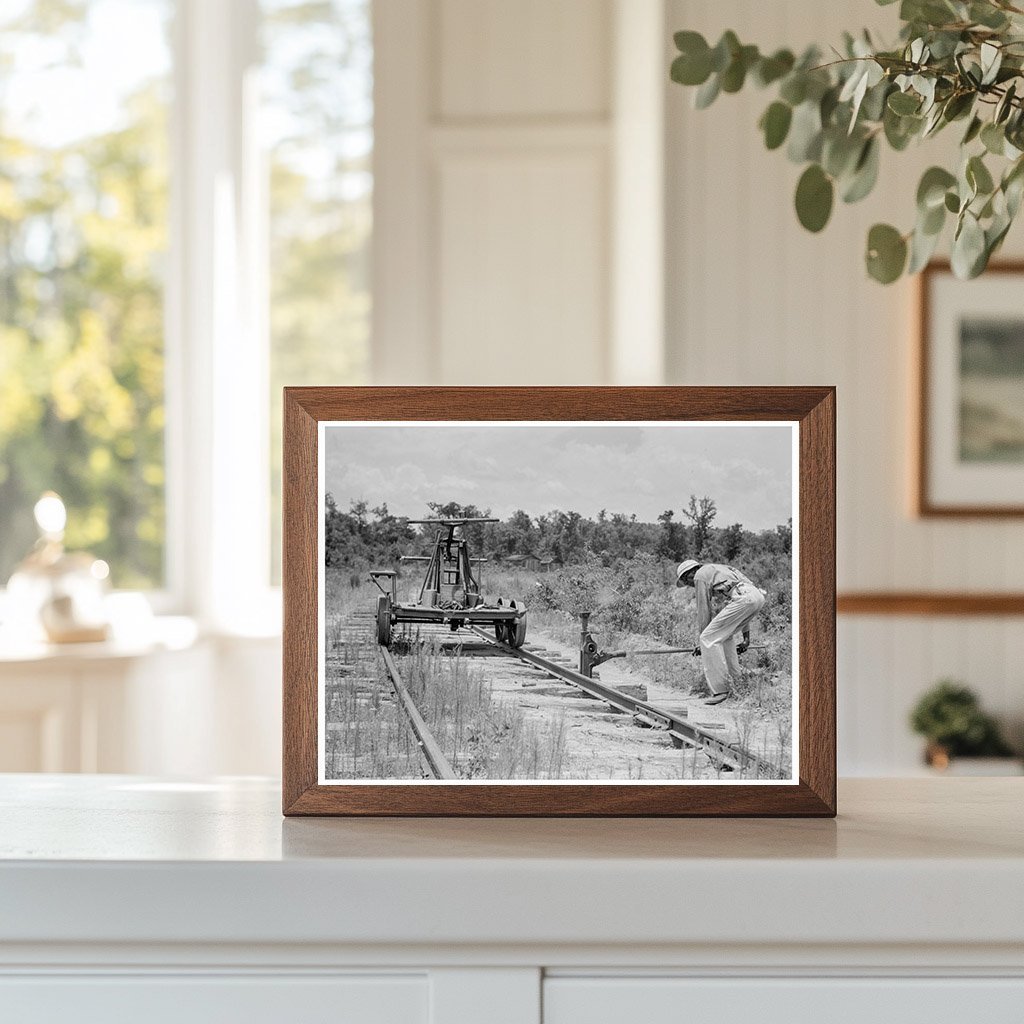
[123,859]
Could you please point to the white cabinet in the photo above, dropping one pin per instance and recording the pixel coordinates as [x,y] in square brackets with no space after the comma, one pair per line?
[133,899]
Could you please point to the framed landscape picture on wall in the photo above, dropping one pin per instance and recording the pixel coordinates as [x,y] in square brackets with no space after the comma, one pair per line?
[970,445]
[559,601]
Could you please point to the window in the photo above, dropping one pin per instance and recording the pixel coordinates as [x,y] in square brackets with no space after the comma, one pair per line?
[83,236]
[317,117]
[167,265]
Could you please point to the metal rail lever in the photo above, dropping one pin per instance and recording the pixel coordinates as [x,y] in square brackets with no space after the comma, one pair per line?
[591,656]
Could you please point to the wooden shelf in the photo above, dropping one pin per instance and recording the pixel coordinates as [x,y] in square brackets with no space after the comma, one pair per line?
[929,603]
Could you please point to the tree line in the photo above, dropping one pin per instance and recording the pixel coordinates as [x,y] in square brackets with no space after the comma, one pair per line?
[372,537]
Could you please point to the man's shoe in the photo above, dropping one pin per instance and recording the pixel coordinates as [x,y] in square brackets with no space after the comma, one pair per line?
[718,698]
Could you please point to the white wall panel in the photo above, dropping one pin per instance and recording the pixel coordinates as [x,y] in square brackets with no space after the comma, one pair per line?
[754,299]
[527,58]
[522,284]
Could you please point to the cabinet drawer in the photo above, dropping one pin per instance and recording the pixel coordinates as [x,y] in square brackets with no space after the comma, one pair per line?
[202,999]
[626,1000]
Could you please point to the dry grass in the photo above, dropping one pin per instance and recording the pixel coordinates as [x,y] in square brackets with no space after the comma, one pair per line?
[483,737]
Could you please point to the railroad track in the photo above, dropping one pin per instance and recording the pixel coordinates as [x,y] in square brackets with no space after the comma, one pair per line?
[679,730]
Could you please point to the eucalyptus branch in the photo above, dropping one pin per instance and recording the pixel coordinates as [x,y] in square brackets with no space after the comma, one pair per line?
[955,61]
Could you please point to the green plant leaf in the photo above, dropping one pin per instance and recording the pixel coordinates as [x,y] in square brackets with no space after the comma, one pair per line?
[993,138]
[991,61]
[725,49]
[922,247]
[987,15]
[904,103]
[707,93]
[952,202]
[805,133]
[968,255]
[735,74]
[973,129]
[958,106]
[900,130]
[814,194]
[1005,104]
[886,254]
[693,65]
[865,173]
[931,191]
[771,69]
[794,88]
[978,176]
[775,124]
[839,151]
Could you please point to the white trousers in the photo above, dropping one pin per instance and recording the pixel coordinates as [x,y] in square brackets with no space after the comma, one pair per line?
[718,640]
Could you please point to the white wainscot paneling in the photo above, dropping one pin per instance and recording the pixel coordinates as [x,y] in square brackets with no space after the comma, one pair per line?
[783,1001]
[206,999]
[531,58]
[887,663]
[523,241]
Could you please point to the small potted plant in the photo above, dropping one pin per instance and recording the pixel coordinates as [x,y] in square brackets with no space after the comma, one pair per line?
[950,718]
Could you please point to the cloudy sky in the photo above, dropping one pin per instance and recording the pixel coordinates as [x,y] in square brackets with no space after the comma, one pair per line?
[643,468]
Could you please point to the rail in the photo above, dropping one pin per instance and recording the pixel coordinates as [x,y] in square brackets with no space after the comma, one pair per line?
[440,766]
[681,731]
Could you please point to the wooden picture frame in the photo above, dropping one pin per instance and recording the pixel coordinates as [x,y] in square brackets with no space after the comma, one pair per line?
[936,482]
[810,792]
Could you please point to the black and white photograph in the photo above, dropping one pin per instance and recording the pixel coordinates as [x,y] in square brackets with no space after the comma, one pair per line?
[558,602]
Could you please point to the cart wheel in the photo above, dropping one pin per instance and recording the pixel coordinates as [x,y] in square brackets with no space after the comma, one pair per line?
[517,628]
[383,621]
[518,631]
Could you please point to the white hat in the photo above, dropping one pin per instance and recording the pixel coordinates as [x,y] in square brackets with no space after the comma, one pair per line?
[685,567]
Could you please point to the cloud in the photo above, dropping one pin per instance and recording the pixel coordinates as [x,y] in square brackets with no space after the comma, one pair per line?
[630,468]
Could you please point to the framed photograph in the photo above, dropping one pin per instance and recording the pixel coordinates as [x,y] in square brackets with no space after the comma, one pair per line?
[970,445]
[559,601]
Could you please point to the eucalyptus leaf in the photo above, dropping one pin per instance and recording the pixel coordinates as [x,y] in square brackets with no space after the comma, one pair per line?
[987,15]
[932,220]
[931,190]
[840,152]
[900,130]
[993,138]
[973,130]
[805,133]
[707,93]
[886,253]
[735,74]
[775,124]
[771,69]
[1005,105]
[922,247]
[978,176]
[968,247]
[794,88]
[904,103]
[991,60]
[865,173]
[814,195]
[724,51]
